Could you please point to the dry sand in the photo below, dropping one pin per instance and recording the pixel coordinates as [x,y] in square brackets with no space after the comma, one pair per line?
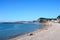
[51,31]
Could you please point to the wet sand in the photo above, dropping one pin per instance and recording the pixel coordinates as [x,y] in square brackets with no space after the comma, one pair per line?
[50,31]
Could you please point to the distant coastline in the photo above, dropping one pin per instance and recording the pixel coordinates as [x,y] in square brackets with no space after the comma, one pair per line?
[40,20]
[11,23]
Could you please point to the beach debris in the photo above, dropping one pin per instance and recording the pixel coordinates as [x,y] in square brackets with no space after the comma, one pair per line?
[30,34]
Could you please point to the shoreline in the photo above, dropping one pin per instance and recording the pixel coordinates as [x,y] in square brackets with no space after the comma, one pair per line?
[45,27]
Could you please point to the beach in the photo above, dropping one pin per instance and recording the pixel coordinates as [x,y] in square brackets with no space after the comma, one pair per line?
[51,31]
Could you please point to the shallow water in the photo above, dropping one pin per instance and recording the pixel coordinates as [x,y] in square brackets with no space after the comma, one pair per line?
[11,30]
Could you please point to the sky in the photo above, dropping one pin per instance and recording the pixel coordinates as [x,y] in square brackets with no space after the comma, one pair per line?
[26,10]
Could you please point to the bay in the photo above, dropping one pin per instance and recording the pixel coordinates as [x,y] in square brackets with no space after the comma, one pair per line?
[11,30]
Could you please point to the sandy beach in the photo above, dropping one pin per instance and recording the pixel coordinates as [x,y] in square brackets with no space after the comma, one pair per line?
[51,31]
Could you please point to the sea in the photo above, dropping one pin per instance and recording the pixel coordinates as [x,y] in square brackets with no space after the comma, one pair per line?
[11,30]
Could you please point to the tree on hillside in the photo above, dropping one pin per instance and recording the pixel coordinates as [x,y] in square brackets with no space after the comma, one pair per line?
[42,19]
[58,17]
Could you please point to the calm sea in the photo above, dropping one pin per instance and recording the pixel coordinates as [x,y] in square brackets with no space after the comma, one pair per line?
[11,30]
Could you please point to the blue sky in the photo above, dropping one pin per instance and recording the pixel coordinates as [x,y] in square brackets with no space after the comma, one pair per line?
[17,10]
